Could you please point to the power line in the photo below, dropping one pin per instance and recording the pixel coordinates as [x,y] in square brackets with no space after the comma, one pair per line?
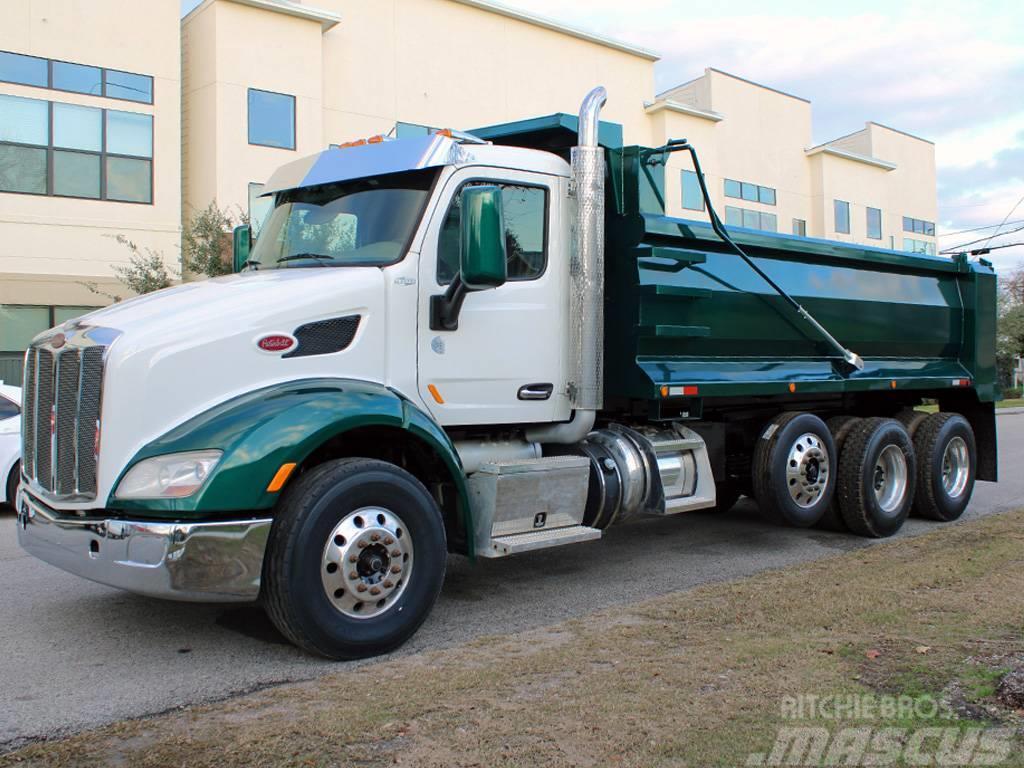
[1007,216]
[958,248]
[978,229]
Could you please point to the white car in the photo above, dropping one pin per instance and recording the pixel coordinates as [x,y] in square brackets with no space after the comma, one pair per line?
[10,442]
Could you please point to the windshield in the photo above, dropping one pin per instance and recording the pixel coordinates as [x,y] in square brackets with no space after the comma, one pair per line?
[367,222]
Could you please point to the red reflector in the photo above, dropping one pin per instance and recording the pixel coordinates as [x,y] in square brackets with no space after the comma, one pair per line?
[275,343]
[690,390]
[961,382]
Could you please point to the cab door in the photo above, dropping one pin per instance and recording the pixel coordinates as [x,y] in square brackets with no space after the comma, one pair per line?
[506,362]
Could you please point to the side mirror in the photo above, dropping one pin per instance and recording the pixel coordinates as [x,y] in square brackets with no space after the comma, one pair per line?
[241,244]
[482,259]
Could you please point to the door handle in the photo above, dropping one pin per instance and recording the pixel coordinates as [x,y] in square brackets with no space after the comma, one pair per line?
[535,391]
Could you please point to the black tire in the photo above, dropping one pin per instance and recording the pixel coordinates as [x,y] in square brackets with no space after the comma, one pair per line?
[13,481]
[840,427]
[861,508]
[934,435]
[772,456]
[911,419]
[293,593]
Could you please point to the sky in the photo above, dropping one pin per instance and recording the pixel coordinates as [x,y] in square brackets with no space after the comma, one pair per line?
[950,72]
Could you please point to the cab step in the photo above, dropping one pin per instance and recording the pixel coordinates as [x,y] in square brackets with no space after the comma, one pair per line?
[517,543]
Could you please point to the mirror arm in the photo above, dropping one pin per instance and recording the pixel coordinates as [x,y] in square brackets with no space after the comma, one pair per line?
[445,308]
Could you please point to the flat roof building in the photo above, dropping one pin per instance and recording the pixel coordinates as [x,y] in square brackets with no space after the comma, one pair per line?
[124,119]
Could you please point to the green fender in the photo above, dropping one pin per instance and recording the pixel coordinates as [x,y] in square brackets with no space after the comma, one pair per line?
[261,430]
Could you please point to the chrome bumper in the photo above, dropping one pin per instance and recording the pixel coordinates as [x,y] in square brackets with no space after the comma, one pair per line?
[204,562]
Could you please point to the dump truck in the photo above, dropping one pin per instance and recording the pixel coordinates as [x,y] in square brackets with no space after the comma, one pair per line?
[490,343]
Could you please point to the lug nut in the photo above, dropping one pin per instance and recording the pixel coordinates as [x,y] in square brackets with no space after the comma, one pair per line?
[388,541]
[374,537]
[388,584]
[396,553]
[353,575]
[361,588]
[353,558]
[396,569]
[374,590]
[361,543]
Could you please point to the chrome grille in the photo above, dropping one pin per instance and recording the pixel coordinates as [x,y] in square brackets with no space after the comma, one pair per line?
[28,418]
[62,409]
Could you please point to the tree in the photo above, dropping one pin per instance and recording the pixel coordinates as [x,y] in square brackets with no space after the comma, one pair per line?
[145,272]
[1010,324]
[206,240]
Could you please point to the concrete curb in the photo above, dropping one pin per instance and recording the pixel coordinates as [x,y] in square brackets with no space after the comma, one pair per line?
[1009,411]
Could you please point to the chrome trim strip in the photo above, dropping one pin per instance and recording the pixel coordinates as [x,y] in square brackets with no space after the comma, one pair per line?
[198,562]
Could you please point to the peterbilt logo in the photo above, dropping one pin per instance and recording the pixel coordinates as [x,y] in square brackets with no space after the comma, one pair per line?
[276,342]
[57,341]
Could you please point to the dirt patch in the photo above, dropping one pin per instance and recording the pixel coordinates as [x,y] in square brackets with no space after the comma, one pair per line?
[697,678]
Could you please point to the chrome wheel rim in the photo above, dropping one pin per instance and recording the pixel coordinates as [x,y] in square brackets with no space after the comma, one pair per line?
[807,470]
[956,467]
[366,562]
[890,478]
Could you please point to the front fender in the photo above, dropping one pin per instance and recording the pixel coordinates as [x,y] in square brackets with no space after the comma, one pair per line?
[261,430]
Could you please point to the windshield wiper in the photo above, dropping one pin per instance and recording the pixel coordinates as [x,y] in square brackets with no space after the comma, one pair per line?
[251,263]
[298,256]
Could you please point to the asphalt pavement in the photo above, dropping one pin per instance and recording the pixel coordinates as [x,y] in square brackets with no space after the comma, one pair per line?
[78,655]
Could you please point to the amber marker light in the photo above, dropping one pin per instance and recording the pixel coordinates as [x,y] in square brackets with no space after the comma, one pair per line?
[792,387]
[281,477]
[664,391]
[435,394]
[893,383]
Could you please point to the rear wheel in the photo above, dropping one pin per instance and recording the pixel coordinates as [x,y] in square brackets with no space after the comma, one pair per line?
[794,461]
[13,481]
[946,457]
[840,427]
[355,559]
[877,473]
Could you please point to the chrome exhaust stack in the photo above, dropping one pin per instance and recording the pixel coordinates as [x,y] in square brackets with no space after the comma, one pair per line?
[586,282]
[586,297]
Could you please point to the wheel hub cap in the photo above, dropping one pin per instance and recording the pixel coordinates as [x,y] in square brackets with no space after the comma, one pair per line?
[807,470]
[956,467]
[889,478]
[366,562]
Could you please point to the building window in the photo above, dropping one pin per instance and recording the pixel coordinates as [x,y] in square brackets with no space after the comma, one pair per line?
[19,324]
[874,223]
[918,226]
[90,153]
[842,216]
[128,86]
[271,119]
[259,207]
[24,70]
[745,190]
[918,246]
[525,233]
[744,217]
[693,200]
[77,78]
[800,227]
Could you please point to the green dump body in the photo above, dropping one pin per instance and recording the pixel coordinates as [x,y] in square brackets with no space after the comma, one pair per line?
[682,309]
[686,313]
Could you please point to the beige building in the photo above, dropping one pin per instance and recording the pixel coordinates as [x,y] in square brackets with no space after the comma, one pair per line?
[239,87]
[90,98]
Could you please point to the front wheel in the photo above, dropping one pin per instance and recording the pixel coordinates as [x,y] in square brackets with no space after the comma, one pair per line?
[355,559]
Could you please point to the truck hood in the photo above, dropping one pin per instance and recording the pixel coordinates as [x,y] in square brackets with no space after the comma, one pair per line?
[182,350]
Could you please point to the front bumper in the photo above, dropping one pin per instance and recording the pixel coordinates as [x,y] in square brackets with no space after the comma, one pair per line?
[203,562]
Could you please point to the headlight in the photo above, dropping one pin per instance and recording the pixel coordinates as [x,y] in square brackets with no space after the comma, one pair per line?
[173,476]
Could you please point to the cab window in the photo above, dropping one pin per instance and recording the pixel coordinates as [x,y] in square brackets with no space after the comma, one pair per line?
[526,216]
[8,408]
